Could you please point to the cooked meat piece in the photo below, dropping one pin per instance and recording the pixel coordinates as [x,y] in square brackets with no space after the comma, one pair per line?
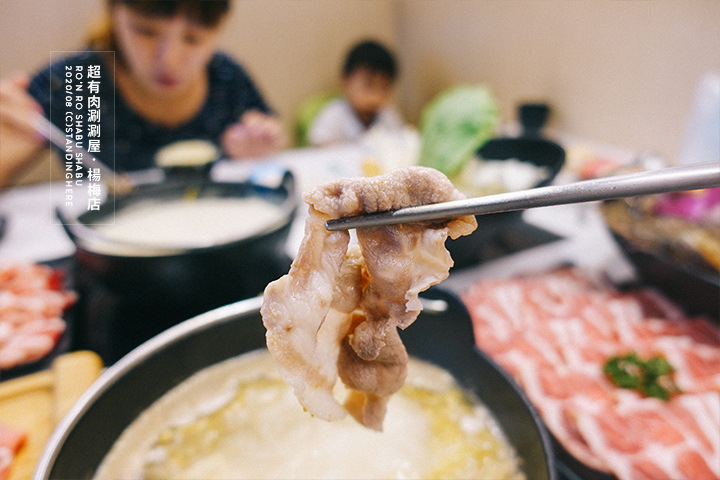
[337,311]
[295,307]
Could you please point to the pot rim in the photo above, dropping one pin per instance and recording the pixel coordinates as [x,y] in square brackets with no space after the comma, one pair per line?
[128,362]
[87,239]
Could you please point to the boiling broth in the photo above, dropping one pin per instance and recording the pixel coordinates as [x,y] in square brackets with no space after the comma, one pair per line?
[238,419]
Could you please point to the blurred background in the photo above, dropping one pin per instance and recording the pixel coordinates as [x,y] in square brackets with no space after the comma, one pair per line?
[621,72]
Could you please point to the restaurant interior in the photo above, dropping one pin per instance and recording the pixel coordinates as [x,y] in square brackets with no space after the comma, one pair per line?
[578,322]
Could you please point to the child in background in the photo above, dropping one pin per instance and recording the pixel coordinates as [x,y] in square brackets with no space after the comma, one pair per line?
[368,78]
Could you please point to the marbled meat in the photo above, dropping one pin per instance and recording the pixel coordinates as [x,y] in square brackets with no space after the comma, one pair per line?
[336,313]
[554,331]
[32,302]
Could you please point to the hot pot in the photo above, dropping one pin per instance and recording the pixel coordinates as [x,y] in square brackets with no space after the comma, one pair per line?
[442,335]
[129,293]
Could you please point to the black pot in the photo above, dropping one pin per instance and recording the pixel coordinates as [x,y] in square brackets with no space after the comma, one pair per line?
[468,250]
[129,293]
[697,291]
[443,336]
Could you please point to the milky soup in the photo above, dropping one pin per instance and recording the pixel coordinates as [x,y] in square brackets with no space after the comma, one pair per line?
[192,222]
[238,420]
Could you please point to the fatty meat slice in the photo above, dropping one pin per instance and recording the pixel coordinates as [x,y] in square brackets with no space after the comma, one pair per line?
[11,441]
[30,342]
[336,313]
[32,303]
[644,438]
[553,410]
[22,277]
[554,331]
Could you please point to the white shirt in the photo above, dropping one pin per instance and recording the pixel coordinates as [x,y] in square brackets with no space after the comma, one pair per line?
[337,123]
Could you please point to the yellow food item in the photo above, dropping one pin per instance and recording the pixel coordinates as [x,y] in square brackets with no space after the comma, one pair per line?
[187,153]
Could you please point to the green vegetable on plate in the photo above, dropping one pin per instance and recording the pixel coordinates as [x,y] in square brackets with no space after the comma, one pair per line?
[454,125]
[651,377]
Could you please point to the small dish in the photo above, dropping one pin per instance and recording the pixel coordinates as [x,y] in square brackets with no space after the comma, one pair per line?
[538,151]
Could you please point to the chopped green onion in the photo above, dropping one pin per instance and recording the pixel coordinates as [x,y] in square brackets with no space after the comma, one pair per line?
[651,377]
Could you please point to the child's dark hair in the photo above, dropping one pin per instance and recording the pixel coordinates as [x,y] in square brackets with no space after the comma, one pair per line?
[373,56]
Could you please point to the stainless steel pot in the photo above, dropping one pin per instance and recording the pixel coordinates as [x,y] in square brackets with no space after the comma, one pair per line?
[442,335]
[129,293]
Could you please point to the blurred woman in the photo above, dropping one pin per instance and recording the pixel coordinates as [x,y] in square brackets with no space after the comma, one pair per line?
[162,80]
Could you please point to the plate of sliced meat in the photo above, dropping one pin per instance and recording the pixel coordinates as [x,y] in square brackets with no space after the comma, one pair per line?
[33,300]
[627,383]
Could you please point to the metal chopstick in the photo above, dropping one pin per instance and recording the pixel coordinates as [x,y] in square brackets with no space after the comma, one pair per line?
[673,179]
[117,183]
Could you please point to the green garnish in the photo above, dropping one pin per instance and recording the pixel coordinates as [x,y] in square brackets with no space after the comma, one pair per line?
[651,377]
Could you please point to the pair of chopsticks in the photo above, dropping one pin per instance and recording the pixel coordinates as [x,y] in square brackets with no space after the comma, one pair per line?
[117,183]
[673,179]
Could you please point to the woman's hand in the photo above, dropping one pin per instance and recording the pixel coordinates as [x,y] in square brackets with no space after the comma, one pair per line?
[18,140]
[255,135]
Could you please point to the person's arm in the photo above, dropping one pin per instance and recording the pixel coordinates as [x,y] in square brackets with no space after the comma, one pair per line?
[255,130]
[19,144]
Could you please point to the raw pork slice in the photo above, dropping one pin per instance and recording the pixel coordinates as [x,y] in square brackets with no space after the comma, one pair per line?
[32,302]
[11,441]
[554,332]
[336,313]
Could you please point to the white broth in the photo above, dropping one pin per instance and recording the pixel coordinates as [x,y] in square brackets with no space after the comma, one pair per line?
[190,223]
[238,419]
